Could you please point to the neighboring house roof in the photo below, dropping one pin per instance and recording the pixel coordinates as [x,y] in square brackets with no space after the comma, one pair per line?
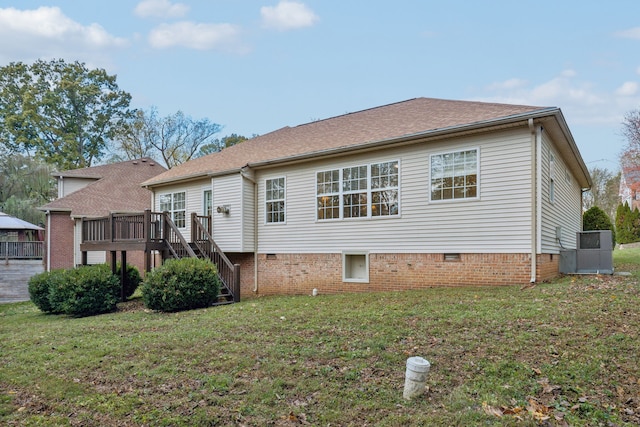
[8,222]
[117,189]
[387,124]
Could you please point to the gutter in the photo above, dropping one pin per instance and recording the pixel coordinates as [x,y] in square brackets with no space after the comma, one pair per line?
[48,213]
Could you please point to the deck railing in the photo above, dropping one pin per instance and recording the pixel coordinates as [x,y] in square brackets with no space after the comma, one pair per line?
[229,273]
[21,250]
[139,227]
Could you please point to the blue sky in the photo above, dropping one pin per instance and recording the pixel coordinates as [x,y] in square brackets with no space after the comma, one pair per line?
[256,66]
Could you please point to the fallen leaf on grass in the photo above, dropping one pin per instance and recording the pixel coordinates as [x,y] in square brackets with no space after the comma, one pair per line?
[491,410]
[546,387]
[537,410]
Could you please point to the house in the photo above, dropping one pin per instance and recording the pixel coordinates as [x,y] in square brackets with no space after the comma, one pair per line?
[630,185]
[414,194]
[19,239]
[89,193]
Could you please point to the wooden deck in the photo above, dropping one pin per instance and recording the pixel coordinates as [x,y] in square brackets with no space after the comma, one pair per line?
[155,231]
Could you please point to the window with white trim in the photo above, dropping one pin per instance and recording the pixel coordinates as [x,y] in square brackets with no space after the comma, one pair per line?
[275,198]
[175,204]
[362,191]
[454,175]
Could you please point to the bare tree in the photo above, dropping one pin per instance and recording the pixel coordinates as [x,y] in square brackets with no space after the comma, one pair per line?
[604,192]
[174,139]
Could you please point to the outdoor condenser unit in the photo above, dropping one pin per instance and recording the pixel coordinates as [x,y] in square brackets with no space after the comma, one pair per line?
[594,254]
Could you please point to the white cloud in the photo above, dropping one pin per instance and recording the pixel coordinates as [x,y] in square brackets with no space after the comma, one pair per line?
[47,33]
[638,70]
[194,35]
[631,33]
[161,9]
[509,84]
[627,89]
[287,15]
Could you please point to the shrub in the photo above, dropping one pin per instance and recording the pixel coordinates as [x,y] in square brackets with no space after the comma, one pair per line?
[627,224]
[85,291]
[181,284]
[596,219]
[131,279]
[40,287]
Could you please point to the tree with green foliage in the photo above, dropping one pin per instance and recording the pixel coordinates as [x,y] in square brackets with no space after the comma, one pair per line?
[221,143]
[596,219]
[627,224]
[173,139]
[64,113]
[25,184]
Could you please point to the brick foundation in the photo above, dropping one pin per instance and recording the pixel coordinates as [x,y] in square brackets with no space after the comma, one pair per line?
[301,273]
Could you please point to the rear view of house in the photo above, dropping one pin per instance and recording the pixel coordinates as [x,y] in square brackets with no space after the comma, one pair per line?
[419,193]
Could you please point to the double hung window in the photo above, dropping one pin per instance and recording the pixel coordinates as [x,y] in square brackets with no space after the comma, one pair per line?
[275,200]
[454,175]
[175,204]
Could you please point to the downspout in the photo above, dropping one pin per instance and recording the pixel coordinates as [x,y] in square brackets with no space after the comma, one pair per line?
[534,198]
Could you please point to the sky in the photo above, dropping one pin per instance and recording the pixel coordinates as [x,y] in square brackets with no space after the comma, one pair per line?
[255,66]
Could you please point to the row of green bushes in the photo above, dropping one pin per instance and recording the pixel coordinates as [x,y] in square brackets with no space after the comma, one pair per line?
[627,223]
[177,285]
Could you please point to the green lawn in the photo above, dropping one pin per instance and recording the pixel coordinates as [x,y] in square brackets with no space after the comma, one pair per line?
[562,353]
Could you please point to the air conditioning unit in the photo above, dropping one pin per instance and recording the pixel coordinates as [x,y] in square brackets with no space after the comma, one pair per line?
[594,253]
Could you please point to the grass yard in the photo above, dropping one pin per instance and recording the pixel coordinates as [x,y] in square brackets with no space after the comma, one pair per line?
[562,353]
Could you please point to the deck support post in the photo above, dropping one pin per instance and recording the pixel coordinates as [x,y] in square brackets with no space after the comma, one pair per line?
[123,274]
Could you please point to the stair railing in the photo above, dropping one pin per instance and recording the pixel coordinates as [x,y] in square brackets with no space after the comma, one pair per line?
[176,243]
[228,272]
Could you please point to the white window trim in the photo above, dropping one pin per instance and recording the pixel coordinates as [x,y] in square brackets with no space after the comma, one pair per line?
[172,210]
[204,200]
[266,213]
[345,255]
[369,191]
[464,199]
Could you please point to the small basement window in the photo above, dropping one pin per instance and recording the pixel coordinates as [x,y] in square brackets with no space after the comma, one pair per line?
[452,257]
[355,267]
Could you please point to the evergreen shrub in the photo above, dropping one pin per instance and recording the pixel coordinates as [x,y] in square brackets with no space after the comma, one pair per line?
[596,219]
[181,284]
[85,291]
[40,287]
[131,279]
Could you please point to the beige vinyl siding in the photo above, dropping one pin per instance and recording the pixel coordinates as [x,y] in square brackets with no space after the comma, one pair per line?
[193,200]
[227,228]
[498,222]
[93,257]
[248,216]
[67,186]
[565,211]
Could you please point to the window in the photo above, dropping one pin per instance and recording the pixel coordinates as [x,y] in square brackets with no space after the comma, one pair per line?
[454,175]
[275,200]
[207,202]
[355,267]
[552,178]
[175,204]
[363,191]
